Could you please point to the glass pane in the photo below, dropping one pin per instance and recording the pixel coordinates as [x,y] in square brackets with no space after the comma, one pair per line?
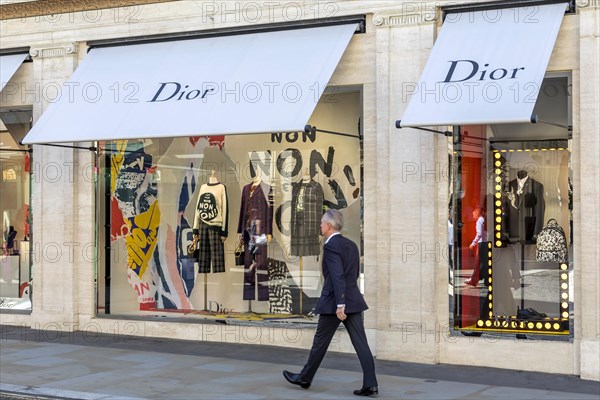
[511,212]
[532,232]
[514,235]
[15,200]
[269,190]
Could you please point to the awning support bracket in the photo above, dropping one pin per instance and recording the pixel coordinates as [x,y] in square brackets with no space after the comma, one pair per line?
[30,150]
[445,133]
[91,148]
[313,129]
[535,120]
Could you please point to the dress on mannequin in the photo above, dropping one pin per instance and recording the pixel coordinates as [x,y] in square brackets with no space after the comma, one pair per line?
[256,218]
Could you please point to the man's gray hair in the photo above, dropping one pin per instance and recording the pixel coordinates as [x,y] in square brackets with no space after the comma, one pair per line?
[335,218]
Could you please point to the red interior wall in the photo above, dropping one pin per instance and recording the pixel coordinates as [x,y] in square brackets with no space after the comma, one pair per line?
[473,163]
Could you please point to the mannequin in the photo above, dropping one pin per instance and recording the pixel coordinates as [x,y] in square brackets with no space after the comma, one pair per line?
[10,240]
[525,208]
[523,219]
[256,219]
[305,221]
[213,177]
[257,180]
[306,177]
[210,224]
[307,210]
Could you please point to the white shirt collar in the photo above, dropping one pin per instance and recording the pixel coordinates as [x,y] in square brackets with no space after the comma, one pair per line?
[522,181]
[521,185]
[332,235]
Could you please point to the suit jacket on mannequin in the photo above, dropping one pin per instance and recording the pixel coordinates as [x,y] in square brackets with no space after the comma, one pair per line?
[524,216]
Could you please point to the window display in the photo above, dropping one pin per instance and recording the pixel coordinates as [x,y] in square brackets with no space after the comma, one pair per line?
[160,196]
[15,213]
[512,224]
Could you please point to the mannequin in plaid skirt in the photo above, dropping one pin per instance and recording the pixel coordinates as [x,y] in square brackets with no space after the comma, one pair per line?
[210,225]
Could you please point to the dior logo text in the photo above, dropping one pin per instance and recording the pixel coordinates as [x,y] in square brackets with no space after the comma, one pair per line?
[463,70]
[173,90]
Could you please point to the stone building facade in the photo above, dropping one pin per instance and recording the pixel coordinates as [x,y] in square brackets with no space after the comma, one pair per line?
[402,210]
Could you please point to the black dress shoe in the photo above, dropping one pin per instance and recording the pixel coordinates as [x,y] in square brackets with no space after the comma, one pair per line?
[368,391]
[295,379]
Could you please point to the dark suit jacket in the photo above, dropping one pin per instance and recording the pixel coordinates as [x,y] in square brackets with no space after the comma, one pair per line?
[341,266]
[526,213]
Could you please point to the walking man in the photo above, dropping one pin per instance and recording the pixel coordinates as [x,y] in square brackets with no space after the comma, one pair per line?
[340,301]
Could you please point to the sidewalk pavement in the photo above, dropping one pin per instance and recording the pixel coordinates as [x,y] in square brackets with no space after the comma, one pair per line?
[76,366]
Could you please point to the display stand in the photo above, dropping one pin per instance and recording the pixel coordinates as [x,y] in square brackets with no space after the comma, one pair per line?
[522,285]
[523,243]
[301,286]
[306,178]
[522,281]
[205,291]
[20,280]
[24,257]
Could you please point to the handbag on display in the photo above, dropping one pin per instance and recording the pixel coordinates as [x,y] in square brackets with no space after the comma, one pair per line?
[239,254]
[192,250]
[552,243]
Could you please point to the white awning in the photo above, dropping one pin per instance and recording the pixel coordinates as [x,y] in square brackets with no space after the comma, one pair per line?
[486,67]
[259,82]
[8,66]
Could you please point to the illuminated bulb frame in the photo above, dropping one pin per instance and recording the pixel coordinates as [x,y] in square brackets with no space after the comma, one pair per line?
[502,323]
[498,178]
[564,291]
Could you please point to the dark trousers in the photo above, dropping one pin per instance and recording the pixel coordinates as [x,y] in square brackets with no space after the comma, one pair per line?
[481,267]
[326,328]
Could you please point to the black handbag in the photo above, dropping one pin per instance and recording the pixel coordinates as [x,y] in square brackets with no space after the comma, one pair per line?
[239,254]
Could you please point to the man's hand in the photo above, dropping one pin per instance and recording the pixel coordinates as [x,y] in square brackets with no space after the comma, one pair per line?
[340,312]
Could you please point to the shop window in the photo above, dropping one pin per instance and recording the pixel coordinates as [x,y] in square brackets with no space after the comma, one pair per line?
[15,213]
[267,191]
[511,214]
